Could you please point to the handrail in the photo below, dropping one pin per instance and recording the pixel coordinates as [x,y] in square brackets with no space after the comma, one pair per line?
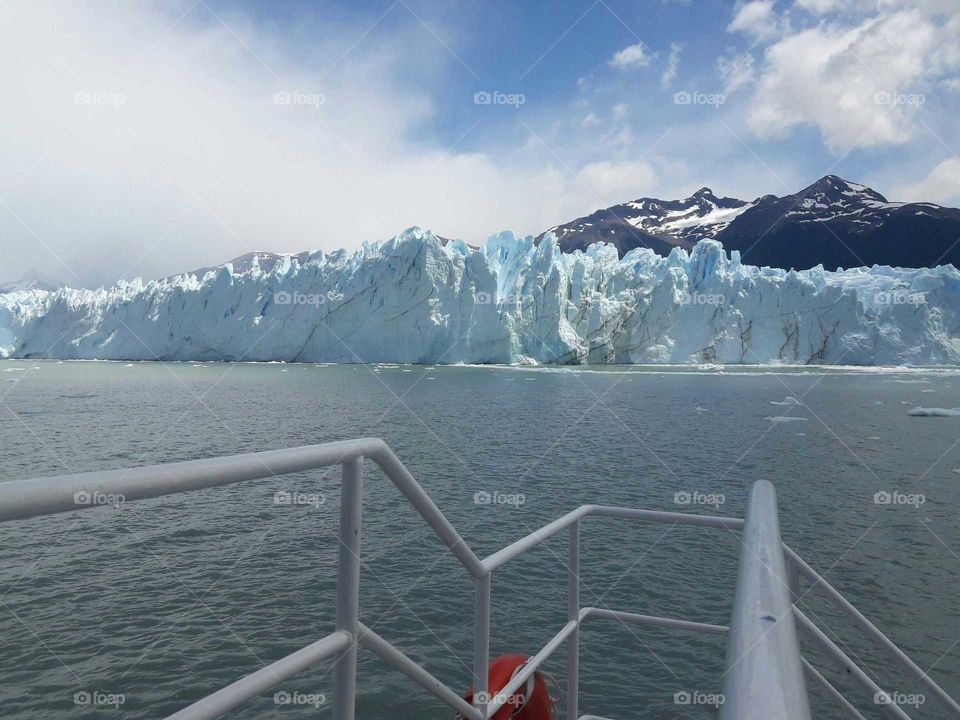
[764,676]
[505,555]
[235,694]
[389,654]
[871,630]
[830,648]
[653,621]
[55,494]
[758,600]
[831,690]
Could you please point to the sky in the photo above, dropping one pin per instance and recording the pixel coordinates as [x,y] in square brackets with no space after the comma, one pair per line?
[145,139]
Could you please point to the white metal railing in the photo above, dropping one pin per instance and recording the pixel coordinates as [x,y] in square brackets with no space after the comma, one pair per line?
[762,651]
[764,667]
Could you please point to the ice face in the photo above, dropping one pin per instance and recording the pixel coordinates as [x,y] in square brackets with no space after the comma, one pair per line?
[416,299]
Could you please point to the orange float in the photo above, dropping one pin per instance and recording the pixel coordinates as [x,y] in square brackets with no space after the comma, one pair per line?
[531,701]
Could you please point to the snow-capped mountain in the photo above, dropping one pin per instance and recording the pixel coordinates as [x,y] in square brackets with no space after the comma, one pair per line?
[657,224]
[32,281]
[417,299]
[834,223]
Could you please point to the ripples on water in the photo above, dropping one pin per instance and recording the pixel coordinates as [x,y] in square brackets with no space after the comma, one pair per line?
[166,600]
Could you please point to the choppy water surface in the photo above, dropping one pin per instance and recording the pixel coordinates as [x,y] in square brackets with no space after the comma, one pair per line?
[165,600]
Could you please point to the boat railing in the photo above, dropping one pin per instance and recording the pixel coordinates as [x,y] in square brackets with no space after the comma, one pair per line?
[764,669]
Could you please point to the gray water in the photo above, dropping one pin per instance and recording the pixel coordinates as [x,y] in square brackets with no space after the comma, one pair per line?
[165,600]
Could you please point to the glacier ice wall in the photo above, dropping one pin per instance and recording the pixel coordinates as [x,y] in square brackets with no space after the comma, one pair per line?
[416,299]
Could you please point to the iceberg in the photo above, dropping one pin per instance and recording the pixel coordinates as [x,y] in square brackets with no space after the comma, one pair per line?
[788,401]
[419,299]
[934,412]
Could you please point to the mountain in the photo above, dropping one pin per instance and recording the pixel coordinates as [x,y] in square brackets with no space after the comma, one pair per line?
[265,261]
[834,223]
[416,299]
[32,281]
[659,225]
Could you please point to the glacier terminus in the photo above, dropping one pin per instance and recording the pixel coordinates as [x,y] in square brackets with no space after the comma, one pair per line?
[418,298]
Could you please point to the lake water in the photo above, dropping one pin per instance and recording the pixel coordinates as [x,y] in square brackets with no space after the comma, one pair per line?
[165,600]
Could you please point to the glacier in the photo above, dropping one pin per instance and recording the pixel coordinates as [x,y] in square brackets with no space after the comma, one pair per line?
[419,299]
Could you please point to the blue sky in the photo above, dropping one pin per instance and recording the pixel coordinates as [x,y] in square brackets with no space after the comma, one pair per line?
[147,139]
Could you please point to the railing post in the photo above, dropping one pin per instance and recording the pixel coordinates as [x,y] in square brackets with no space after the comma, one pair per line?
[481,643]
[348,587]
[573,613]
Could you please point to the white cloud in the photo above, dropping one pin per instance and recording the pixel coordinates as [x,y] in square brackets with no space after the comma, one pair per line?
[819,7]
[632,56]
[755,18]
[198,164]
[673,61]
[590,120]
[610,182]
[823,7]
[736,71]
[860,83]
[941,186]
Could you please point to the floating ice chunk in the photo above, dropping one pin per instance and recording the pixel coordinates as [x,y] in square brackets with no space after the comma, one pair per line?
[786,419]
[787,401]
[934,412]
[701,410]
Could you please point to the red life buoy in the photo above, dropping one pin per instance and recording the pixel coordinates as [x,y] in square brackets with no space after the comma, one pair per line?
[531,701]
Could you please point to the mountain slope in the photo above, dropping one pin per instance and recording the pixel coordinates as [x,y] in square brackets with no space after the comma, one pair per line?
[832,222]
[659,225]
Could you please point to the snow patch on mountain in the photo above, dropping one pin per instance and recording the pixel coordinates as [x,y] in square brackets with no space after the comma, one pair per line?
[419,299]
